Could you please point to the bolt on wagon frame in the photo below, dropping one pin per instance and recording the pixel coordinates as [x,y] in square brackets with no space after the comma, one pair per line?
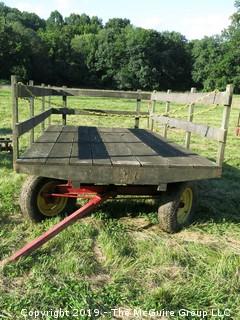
[70,162]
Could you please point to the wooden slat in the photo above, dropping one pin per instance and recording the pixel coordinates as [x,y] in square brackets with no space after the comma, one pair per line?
[100,112]
[144,153]
[81,153]
[29,124]
[177,155]
[61,151]
[221,98]
[39,151]
[54,128]
[203,130]
[26,91]
[117,148]
[100,155]
[37,91]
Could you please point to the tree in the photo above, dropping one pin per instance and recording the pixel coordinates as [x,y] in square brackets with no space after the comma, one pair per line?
[55,20]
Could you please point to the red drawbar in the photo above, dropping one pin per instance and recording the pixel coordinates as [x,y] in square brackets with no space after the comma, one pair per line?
[38,242]
[95,194]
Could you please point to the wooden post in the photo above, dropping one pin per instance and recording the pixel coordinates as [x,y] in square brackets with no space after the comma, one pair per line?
[43,109]
[14,118]
[153,111]
[190,119]
[49,107]
[138,108]
[225,123]
[167,109]
[31,83]
[64,116]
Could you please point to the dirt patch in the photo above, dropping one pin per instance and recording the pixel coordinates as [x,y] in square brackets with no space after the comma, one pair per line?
[102,277]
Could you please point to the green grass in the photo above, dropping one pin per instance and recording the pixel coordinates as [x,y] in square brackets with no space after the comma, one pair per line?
[118,257]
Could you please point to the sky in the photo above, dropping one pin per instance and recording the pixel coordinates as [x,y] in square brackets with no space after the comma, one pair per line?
[193,18]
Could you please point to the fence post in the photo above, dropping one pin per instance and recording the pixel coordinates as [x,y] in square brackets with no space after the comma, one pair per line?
[167,109]
[49,107]
[225,123]
[31,101]
[64,116]
[138,108]
[190,119]
[153,111]
[14,118]
[43,108]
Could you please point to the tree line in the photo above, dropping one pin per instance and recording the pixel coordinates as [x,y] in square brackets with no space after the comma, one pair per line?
[81,51]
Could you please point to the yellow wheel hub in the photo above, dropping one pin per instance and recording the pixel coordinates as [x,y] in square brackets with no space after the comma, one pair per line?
[50,206]
[185,206]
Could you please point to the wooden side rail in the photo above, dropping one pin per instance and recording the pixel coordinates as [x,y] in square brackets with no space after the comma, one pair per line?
[31,123]
[211,98]
[26,91]
[190,99]
[208,132]
[97,112]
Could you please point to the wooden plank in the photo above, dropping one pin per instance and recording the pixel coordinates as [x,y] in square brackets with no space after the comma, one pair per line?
[205,98]
[37,91]
[119,174]
[14,118]
[61,151]
[29,124]
[201,129]
[178,155]
[190,119]
[117,149]
[99,112]
[39,151]
[26,91]
[32,113]
[143,153]
[81,153]
[100,155]
[43,109]
[54,128]
[224,127]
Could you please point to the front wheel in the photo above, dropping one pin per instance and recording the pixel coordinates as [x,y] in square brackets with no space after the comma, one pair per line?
[178,210]
[37,206]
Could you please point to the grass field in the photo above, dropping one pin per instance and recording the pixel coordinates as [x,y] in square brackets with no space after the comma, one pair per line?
[119,258]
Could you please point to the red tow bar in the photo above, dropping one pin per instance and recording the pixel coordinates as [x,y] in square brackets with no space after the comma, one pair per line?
[38,242]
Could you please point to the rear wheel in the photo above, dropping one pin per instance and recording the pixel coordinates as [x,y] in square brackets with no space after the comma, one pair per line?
[36,205]
[178,209]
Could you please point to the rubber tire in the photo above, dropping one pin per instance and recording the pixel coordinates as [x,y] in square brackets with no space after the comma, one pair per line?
[167,212]
[28,199]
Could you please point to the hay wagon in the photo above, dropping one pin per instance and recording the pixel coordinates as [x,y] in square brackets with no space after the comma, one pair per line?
[69,162]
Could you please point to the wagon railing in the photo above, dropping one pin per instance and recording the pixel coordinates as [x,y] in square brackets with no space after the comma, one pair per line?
[44,93]
[190,99]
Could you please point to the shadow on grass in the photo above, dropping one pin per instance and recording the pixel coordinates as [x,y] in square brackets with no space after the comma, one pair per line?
[127,208]
[6,160]
[219,201]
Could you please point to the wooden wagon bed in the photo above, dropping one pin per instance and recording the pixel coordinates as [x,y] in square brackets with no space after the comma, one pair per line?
[112,156]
